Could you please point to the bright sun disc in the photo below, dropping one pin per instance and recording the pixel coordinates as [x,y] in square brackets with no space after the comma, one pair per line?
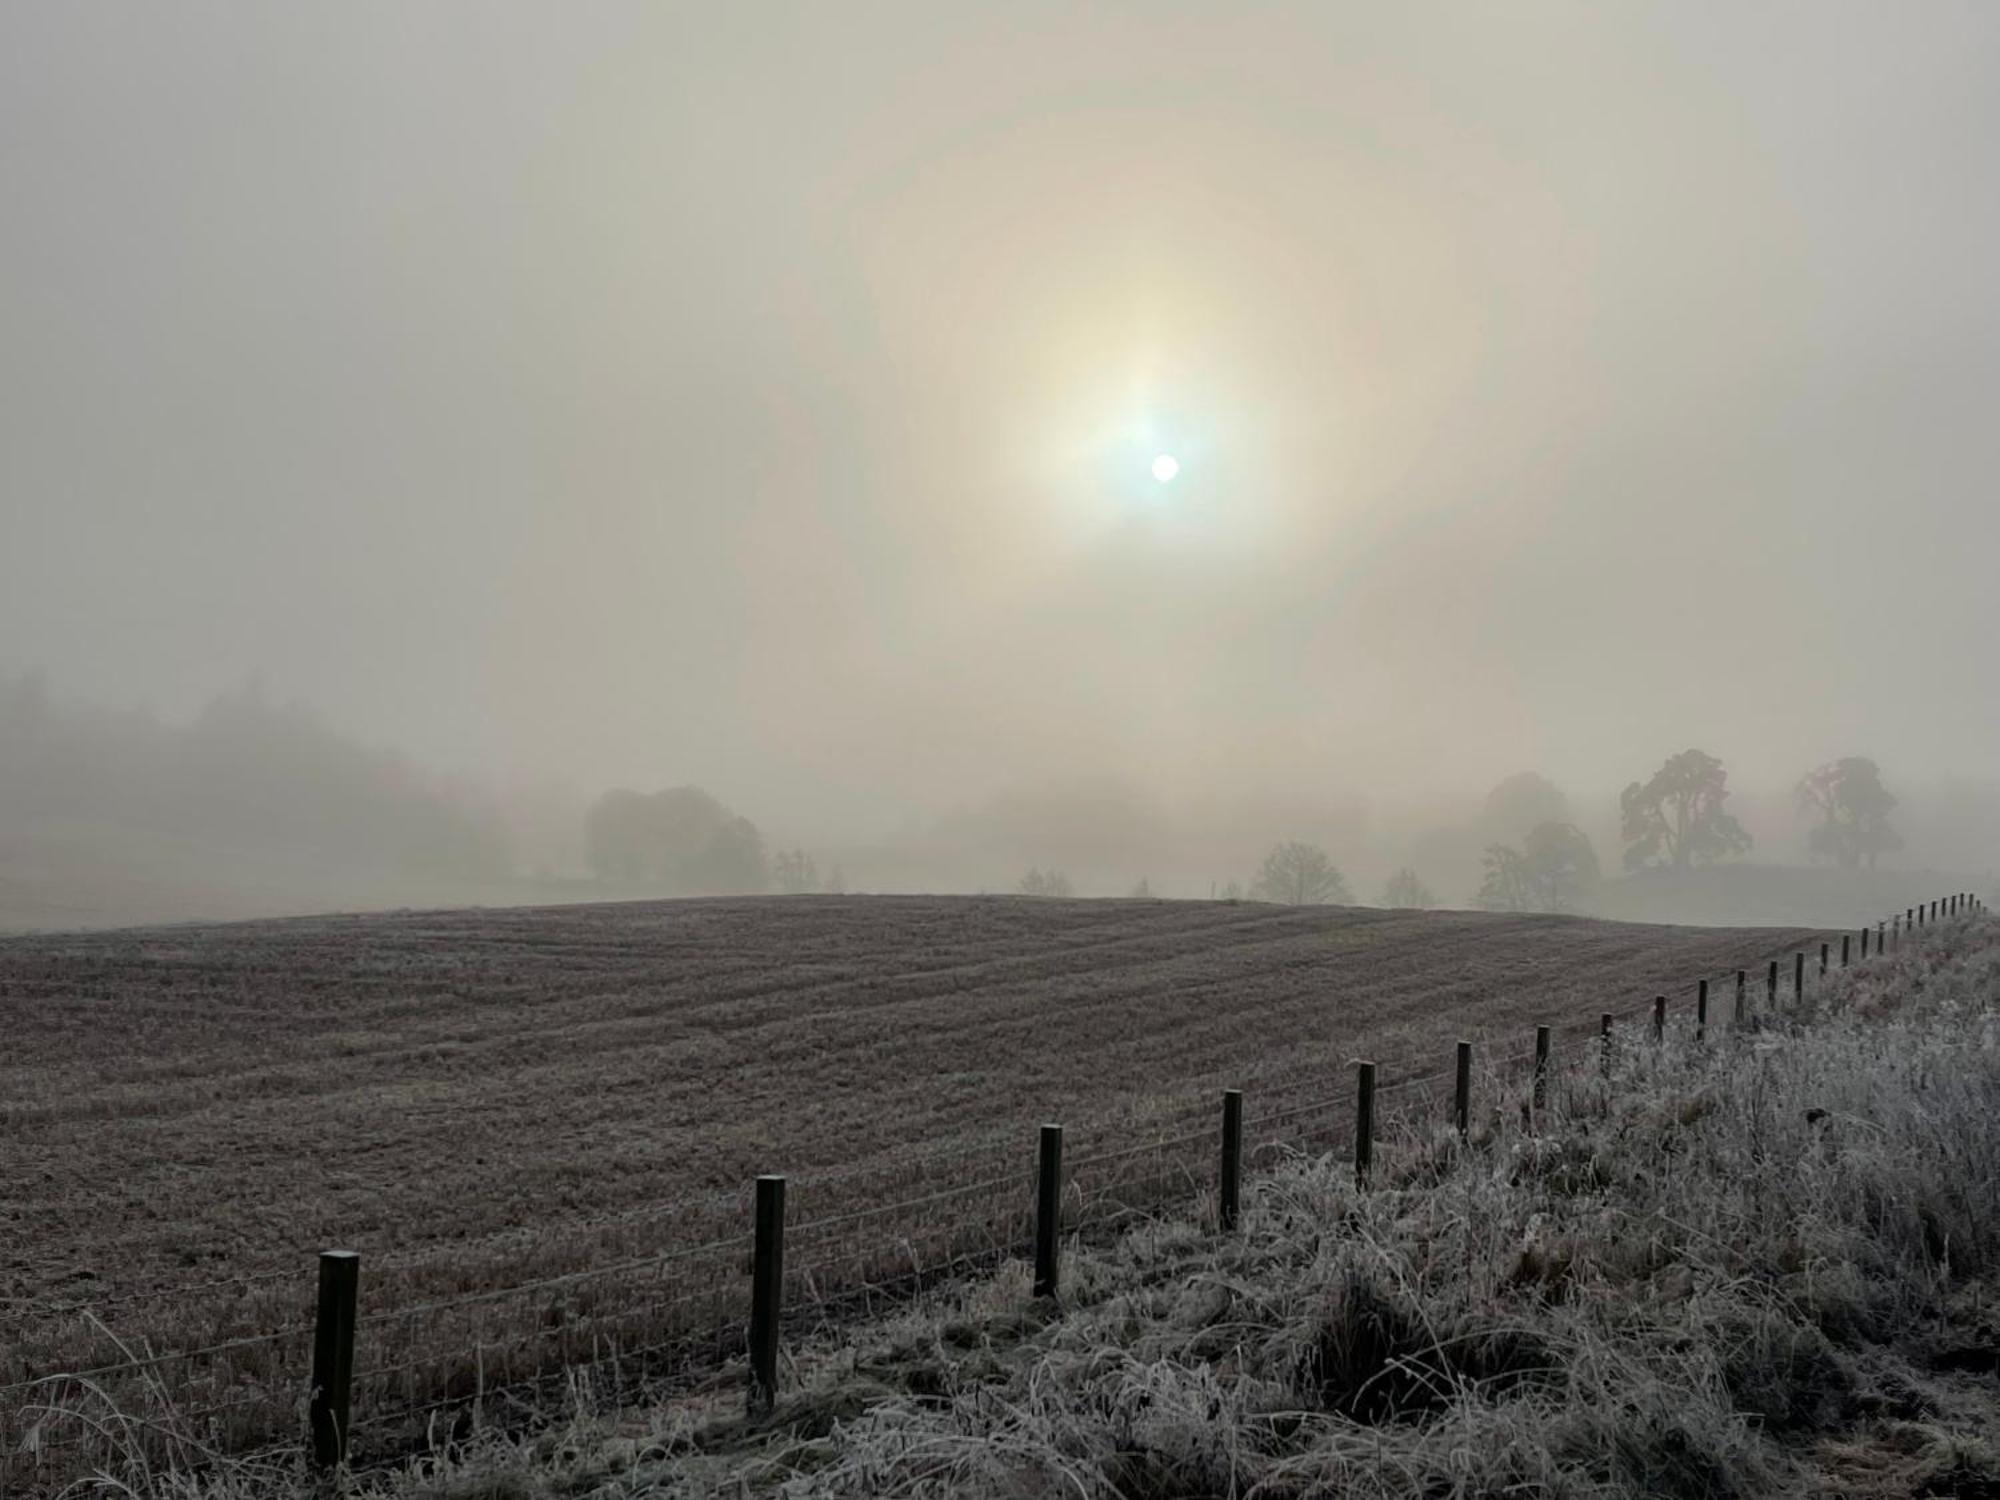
[1165,467]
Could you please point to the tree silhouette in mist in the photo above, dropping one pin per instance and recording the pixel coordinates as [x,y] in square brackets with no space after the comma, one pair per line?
[1677,816]
[1296,874]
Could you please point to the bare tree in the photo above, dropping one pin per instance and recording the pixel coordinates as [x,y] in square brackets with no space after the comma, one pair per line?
[1507,885]
[1039,882]
[795,872]
[1553,871]
[1296,874]
[1406,890]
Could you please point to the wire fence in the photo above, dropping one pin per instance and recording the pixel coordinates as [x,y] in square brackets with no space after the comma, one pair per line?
[435,1370]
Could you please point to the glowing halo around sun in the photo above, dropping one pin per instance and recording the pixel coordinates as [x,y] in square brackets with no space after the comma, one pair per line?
[1165,467]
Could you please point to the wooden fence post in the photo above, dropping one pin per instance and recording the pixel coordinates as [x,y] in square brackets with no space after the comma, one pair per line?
[1825,951]
[333,1356]
[1844,951]
[1232,1158]
[767,1293]
[1541,1067]
[1659,1018]
[1864,942]
[1771,987]
[1701,1012]
[1742,1004]
[1799,977]
[1048,1211]
[1364,1122]
[1881,943]
[1461,1098]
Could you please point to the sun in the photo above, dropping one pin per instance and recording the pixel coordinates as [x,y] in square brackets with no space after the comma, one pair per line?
[1165,467]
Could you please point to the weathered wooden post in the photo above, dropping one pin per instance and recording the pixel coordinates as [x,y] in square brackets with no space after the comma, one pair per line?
[1799,977]
[1864,942]
[1659,1018]
[1844,950]
[1364,1122]
[1541,1090]
[1825,952]
[1048,1211]
[1771,987]
[333,1356]
[1231,1187]
[1701,1012]
[1881,938]
[1742,1003]
[767,1293]
[1461,1098]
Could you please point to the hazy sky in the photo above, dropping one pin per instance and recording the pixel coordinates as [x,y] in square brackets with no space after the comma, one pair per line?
[764,395]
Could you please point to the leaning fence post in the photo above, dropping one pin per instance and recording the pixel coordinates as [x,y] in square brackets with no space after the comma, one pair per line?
[767,1290]
[1232,1158]
[1701,1012]
[1659,1018]
[1048,1210]
[1541,1067]
[1364,1122]
[333,1356]
[1461,1101]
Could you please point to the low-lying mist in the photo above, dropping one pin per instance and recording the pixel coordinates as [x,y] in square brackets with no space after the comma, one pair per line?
[258,806]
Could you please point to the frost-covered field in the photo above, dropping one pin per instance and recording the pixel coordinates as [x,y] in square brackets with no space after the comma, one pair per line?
[1764,1266]
[477,1100]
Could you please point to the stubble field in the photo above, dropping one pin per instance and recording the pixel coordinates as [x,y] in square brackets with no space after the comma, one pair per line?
[579,1097]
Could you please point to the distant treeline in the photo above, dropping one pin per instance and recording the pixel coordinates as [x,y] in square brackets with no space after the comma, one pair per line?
[679,842]
[249,774]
